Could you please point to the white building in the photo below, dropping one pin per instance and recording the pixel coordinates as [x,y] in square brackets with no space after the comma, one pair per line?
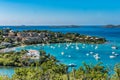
[32,54]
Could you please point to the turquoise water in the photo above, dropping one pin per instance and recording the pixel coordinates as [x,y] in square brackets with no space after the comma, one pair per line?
[84,52]
[78,53]
[7,71]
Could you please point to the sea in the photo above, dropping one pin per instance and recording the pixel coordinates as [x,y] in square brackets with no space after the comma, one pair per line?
[76,53]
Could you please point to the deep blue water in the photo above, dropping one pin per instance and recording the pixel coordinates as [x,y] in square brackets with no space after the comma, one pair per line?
[71,54]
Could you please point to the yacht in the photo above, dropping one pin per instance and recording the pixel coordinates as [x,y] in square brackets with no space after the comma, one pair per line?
[112,56]
[114,47]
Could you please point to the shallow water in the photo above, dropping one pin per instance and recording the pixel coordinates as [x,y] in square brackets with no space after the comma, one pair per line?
[75,55]
[7,71]
[86,52]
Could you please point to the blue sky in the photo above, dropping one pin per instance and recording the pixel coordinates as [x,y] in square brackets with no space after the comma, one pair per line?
[59,12]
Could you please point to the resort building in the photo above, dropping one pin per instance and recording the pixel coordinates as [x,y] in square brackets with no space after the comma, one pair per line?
[11,33]
[32,54]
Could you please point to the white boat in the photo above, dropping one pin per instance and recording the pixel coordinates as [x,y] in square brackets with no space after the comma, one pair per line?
[114,47]
[52,47]
[77,48]
[116,54]
[113,52]
[62,53]
[96,56]
[83,47]
[92,45]
[87,54]
[96,47]
[43,44]
[66,48]
[69,56]
[67,45]
[91,52]
[112,56]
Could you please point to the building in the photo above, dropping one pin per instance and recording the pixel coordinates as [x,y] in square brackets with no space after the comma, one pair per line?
[11,33]
[32,54]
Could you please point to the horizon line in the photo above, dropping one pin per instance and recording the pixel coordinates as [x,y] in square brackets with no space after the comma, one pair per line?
[60,25]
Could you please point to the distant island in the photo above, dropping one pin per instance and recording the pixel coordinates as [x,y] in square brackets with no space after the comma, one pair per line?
[65,26]
[112,26]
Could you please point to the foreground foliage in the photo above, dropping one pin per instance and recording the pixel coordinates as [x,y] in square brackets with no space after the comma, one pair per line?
[92,72]
[15,59]
[48,68]
[85,72]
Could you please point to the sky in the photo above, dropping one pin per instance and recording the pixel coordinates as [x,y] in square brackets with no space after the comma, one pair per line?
[59,12]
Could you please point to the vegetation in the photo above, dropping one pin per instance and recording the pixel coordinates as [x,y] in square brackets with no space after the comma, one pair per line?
[48,68]
[16,59]
[12,59]
[1,36]
[85,72]
[116,75]
[92,72]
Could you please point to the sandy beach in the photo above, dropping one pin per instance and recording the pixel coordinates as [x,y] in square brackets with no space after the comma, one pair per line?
[7,50]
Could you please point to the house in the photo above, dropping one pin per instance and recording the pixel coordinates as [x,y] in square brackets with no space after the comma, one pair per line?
[33,34]
[31,39]
[32,54]
[22,34]
[11,33]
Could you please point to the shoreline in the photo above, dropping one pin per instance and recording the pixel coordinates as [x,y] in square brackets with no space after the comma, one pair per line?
[14,48]
[12,39]
[7,50]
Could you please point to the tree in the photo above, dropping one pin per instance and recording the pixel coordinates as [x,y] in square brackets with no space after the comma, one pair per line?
[91,72]
[116,75]
[7,40]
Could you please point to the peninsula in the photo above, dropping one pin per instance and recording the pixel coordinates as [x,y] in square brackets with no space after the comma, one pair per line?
[10,38]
